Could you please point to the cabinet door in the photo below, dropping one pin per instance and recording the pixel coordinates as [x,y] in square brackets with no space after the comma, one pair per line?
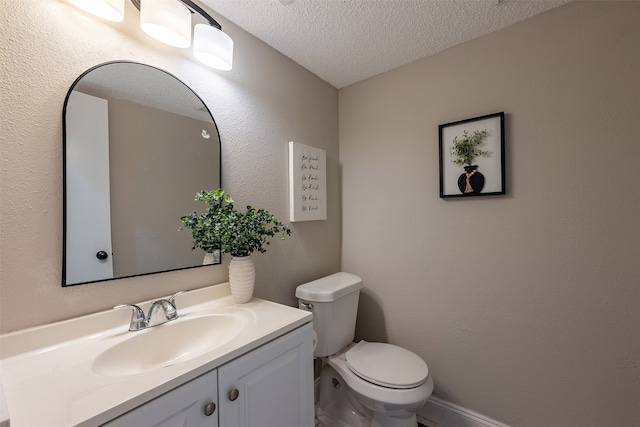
[185,406]
[270,387]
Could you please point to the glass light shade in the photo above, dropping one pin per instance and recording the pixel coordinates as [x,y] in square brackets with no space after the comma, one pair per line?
[168,21]
[212,47]
[111,10]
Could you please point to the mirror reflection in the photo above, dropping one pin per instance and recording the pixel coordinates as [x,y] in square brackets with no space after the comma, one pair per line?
[138,145]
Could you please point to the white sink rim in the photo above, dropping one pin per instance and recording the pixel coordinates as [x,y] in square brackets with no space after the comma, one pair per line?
[168,344]
[34,362]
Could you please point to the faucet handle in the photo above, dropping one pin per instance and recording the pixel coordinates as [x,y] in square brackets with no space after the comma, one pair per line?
[138,321]
[172,299]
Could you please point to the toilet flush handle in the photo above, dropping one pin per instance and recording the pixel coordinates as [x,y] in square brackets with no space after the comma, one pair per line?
[307,306]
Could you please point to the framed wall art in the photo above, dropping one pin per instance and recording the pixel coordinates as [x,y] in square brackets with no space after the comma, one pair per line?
[307,183]
[472,157]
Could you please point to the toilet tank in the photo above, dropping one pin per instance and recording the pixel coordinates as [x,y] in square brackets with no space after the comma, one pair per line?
[334,303]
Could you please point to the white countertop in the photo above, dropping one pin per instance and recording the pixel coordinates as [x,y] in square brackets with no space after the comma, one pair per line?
[46,371]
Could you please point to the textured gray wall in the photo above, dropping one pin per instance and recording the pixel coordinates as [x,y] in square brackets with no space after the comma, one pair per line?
[262,104]
[525,306]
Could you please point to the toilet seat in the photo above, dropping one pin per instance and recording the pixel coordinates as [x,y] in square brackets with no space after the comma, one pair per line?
[386,365]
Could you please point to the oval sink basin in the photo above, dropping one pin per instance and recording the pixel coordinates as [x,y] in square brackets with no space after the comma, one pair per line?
[168,344]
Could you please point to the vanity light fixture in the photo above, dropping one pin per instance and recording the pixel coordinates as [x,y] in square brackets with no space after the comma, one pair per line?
[211,46]
[169,21]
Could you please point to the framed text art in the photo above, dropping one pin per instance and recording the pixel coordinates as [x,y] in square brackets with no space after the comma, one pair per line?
[307,183]
[472,157]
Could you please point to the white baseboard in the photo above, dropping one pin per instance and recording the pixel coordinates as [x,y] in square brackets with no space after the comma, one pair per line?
[446,414]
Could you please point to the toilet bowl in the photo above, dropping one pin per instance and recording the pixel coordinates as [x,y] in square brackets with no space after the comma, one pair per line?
[362,384]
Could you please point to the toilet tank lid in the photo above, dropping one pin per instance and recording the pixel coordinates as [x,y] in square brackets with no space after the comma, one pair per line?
[329,288]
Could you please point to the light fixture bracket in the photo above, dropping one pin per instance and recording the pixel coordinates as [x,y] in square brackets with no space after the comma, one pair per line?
[194,8]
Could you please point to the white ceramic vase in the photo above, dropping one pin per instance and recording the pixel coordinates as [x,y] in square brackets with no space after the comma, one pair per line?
[242,278]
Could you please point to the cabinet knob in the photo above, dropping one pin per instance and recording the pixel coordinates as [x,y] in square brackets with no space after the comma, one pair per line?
[210,409]
[233,394]
[102,255]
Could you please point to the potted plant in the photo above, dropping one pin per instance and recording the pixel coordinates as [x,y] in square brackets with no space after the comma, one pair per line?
[233,232]
[464,150]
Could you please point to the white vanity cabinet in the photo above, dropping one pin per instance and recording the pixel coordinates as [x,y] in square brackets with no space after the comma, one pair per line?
[271,386]
[193,404]
[90,371]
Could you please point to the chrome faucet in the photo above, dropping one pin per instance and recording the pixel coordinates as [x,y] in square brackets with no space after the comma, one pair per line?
[161,311]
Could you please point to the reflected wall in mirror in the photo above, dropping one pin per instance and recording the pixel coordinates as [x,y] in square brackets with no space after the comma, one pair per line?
[138,145]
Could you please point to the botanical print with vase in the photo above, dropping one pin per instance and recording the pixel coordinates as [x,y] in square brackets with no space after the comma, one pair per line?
[464,150]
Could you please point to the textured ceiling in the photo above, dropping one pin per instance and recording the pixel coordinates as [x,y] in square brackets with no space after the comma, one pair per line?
[346,41]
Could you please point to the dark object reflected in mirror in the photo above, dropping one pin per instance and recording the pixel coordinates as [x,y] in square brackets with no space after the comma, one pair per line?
[138,144]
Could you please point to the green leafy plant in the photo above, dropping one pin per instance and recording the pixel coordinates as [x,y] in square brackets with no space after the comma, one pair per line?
[466,149]
[225,228]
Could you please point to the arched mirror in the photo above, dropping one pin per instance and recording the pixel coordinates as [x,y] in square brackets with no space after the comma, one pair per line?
[138,145]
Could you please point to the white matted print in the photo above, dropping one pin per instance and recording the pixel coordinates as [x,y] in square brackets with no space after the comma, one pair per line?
[472,157]
[307,183]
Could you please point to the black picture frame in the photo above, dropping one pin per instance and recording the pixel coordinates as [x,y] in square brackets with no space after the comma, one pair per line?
[487,174]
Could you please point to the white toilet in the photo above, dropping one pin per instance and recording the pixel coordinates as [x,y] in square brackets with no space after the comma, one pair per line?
[361,384]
